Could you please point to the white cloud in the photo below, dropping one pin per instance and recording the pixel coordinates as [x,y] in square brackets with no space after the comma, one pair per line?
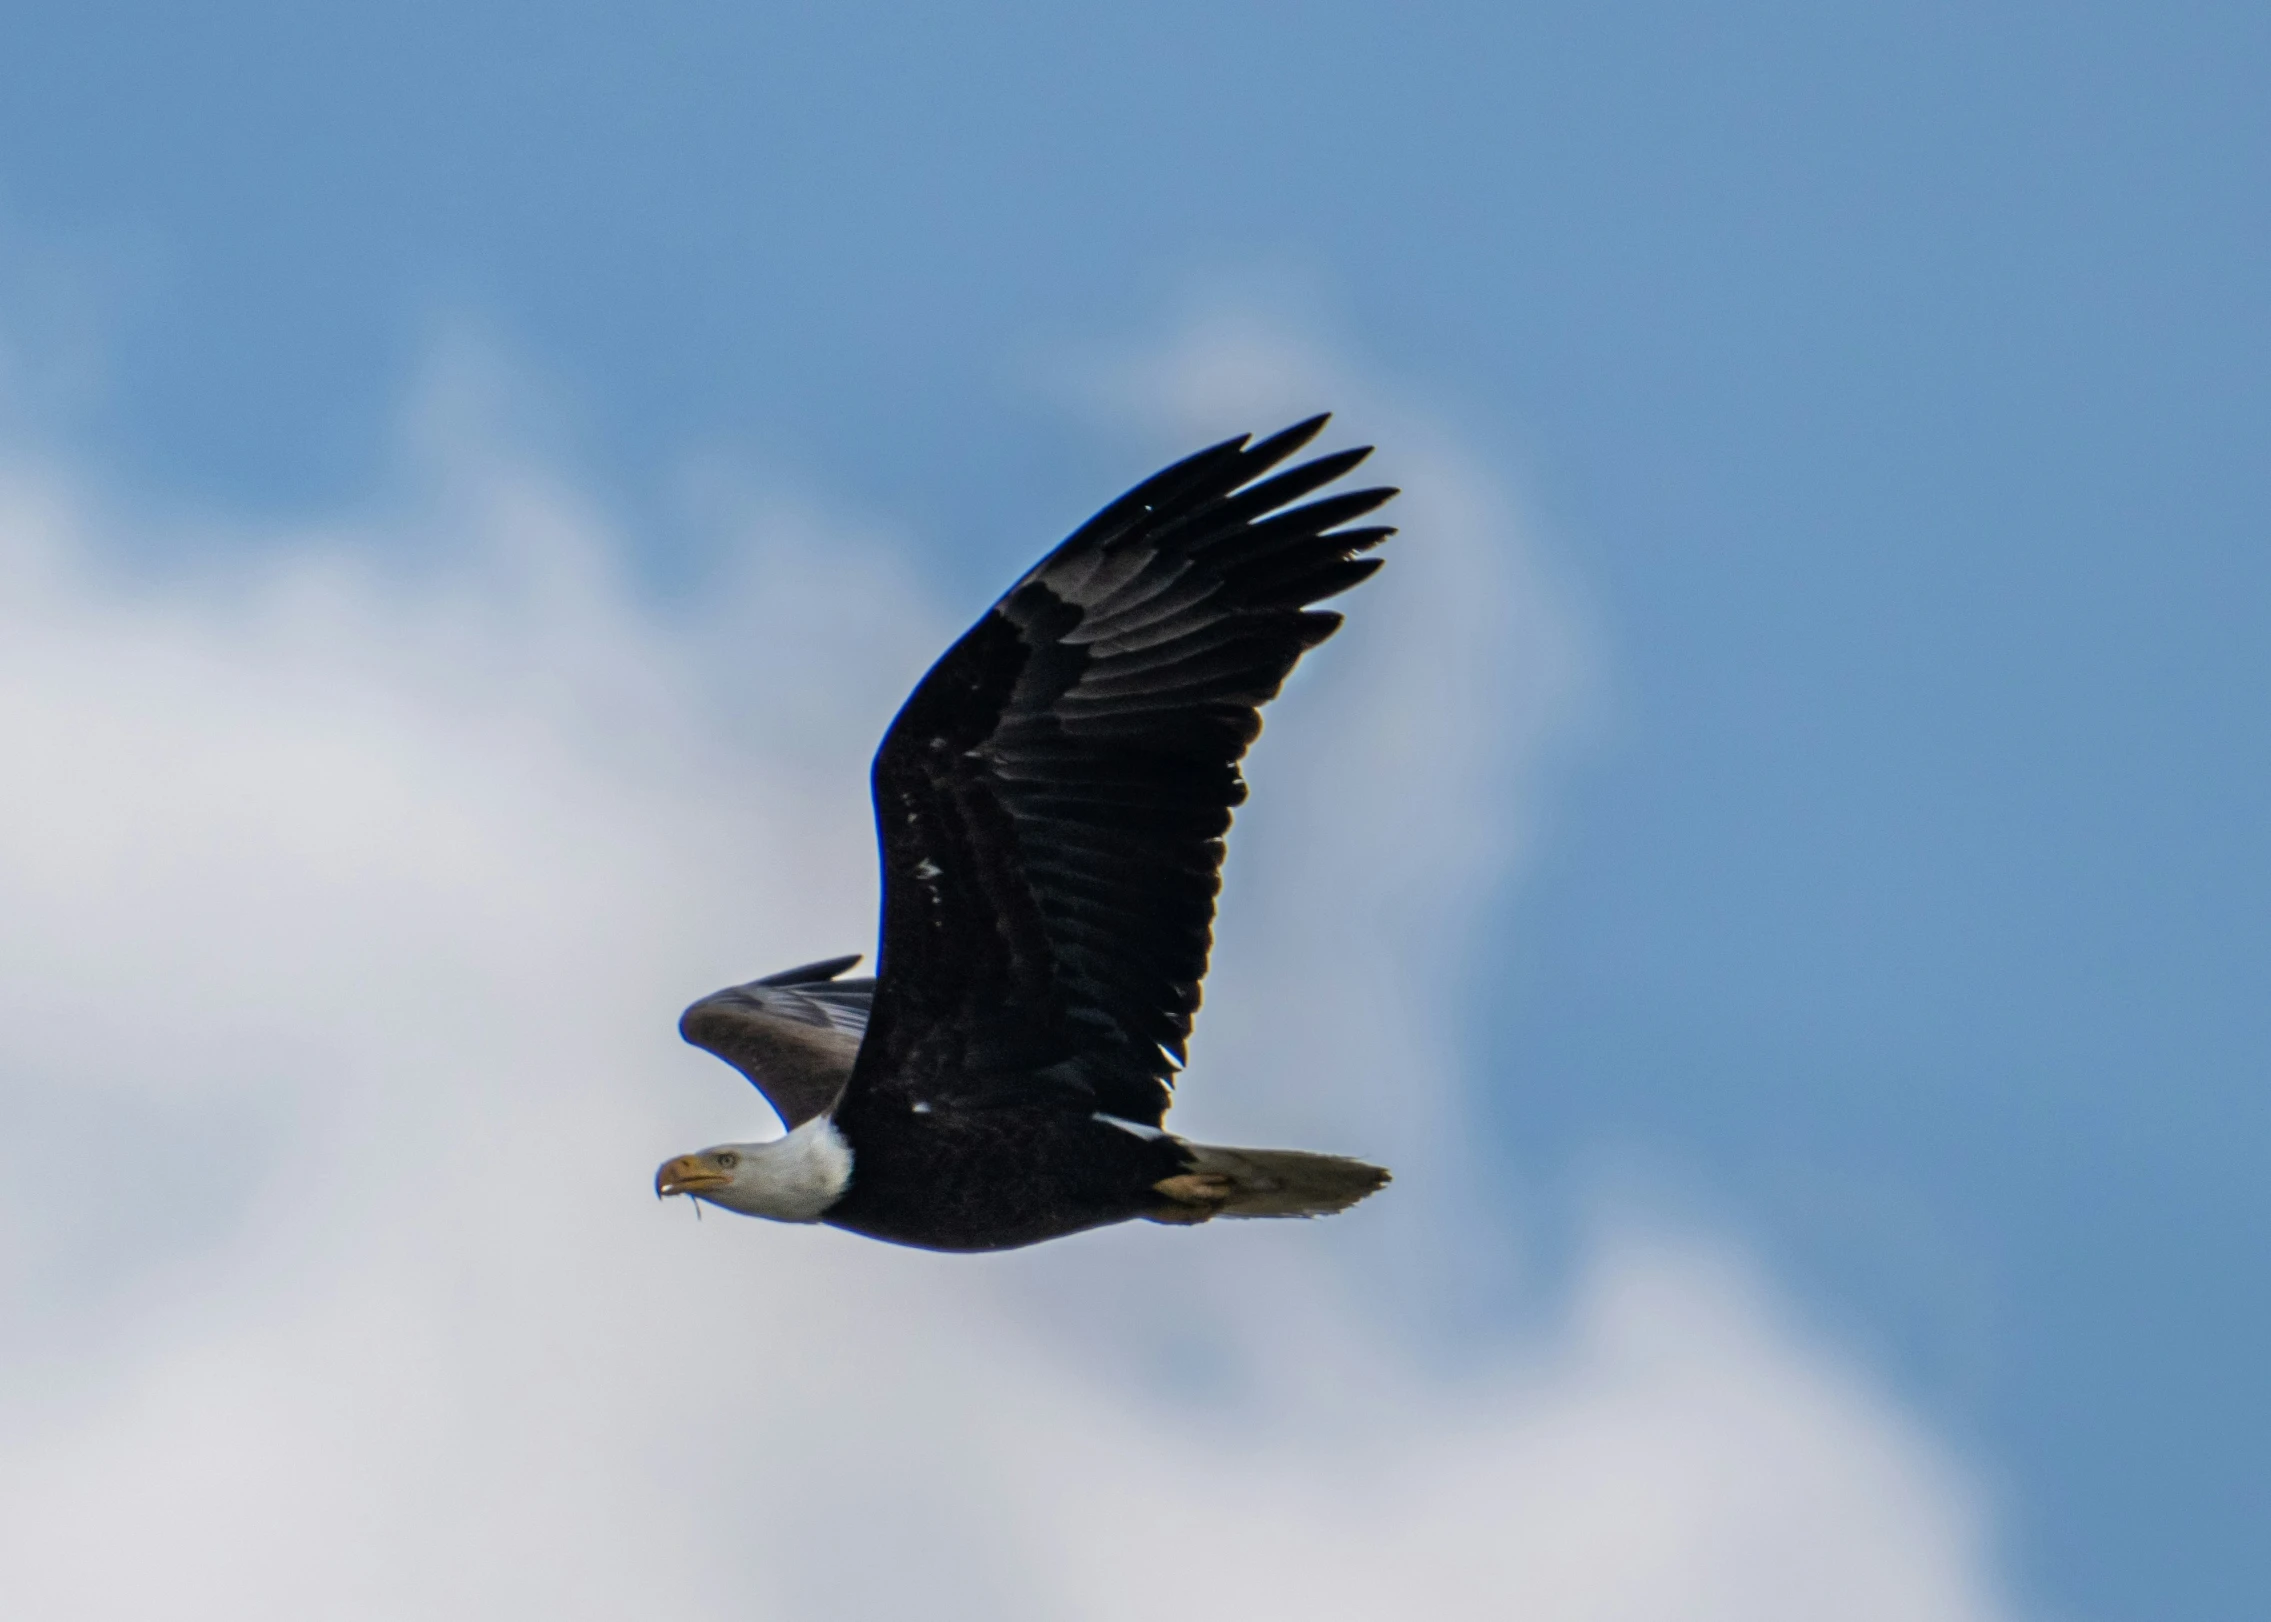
[349,901]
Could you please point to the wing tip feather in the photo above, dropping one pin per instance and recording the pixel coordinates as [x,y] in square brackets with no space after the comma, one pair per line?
[807,974]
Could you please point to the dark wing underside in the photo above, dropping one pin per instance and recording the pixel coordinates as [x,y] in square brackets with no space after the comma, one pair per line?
[795,1034]
[1052,799]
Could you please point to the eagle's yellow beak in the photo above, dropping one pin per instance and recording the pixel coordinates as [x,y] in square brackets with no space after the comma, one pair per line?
[688,1174]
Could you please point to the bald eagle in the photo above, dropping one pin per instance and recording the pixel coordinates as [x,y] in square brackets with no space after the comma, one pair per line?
[1051,803]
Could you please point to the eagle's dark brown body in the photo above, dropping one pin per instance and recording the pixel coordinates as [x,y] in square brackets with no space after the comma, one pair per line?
[989,1180]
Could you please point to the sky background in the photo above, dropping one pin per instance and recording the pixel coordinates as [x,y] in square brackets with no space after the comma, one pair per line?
[477,480]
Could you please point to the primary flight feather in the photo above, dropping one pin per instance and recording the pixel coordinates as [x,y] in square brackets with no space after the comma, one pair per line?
[1050,804]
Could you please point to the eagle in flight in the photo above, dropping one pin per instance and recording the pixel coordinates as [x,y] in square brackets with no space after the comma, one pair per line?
[1051,803]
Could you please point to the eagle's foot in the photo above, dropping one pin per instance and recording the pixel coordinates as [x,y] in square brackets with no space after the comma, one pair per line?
[1192,1196]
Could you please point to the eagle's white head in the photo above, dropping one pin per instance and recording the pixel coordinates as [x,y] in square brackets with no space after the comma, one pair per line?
[791,1179]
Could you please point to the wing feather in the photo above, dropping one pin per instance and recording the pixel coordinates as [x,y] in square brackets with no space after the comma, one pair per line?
[794,1034]
[1051,801]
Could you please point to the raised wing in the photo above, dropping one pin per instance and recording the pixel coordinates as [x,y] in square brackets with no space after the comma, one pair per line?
[795,1034]
[1052,798]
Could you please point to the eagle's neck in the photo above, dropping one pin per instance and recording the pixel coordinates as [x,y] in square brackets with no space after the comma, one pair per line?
[791,1179]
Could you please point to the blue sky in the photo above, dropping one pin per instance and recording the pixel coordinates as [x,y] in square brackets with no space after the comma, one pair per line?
[1884,388]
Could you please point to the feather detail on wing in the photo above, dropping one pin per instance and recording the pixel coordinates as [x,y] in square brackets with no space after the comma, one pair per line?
[794,1034]
[1052,799]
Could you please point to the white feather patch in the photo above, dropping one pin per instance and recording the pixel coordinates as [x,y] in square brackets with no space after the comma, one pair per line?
[791,1179]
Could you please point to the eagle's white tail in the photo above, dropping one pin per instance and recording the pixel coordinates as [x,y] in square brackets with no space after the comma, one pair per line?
[1264,1183]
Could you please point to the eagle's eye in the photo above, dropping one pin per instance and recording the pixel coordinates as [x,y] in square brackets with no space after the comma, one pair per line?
[729,1161]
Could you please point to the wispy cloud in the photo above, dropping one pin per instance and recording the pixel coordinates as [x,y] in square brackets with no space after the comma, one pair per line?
[350,899]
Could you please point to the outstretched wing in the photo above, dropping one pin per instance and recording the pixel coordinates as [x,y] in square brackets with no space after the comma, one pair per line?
[1051,801]
[795,1034]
